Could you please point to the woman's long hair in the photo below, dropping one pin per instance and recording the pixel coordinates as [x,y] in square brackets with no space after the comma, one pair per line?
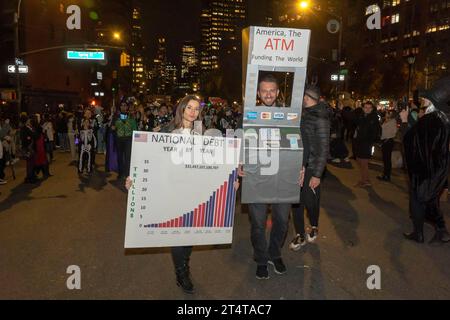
[177,122]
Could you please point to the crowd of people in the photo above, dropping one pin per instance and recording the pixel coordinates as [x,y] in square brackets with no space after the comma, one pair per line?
[330,133]
[92,130]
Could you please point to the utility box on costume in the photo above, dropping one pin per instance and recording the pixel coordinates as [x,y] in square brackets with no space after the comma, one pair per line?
[273,148]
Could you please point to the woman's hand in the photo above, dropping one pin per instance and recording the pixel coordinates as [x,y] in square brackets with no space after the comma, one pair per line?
[128,183]
[241,172]
[236,185]
[301,179]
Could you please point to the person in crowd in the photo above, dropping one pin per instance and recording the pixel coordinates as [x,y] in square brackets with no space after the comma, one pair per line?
[61,129]
[368,132]
[227,121]
[87,146]
[100,134]
[268,253]
[187,115]
[348,119]
[49,133]
[315,129]
[388,133]
[162,119]
[149,120]
[72,134]
[426,147]
[27,133]
[2,164]
[111,159]
[338,149]
[124,127]
[40,159]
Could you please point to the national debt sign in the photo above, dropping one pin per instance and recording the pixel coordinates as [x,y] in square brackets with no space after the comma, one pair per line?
[183,190]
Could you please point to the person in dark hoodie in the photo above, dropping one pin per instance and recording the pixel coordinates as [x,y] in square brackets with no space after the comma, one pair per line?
[315,130]
[368,131]
[426,146]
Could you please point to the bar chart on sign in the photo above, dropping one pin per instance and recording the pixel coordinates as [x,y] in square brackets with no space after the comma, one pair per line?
[179,203]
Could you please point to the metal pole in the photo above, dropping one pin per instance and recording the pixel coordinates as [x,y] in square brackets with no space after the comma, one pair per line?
[17,53]
[340,49]
[409,82]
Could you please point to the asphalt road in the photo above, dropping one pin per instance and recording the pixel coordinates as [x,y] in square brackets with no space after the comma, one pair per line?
[65,220]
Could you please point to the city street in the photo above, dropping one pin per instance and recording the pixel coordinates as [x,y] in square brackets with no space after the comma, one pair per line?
[67,220]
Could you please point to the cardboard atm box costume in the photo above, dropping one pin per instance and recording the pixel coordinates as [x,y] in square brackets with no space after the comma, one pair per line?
[273,148]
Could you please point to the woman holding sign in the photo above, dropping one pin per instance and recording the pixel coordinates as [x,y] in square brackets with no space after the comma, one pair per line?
[187,121]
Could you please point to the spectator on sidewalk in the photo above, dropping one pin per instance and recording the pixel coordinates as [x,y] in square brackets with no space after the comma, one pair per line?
[72,132]
[388,133]
[49,134]
[2,164]
[28,133]
[61,129]
[40,159]
[368,131]
[124,127]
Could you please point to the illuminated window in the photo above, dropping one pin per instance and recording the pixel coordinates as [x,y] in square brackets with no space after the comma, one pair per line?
[395,18]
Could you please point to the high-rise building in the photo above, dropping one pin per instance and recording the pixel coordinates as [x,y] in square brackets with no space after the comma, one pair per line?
[189,66]
[158,74]
[44,39]
[137,52]
[221,28]
[170,77]
[414,29]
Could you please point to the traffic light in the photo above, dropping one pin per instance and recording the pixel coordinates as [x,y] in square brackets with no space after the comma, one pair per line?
[125,60]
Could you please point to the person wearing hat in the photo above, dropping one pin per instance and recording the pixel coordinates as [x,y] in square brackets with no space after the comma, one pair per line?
[427,158]
[315,130]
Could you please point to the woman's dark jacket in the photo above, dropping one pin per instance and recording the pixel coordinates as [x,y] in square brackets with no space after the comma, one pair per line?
[315,129]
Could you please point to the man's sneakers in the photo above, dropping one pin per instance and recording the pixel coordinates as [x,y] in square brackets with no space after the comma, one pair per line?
[297,243]
[313,234]
[262,273]
[278,266]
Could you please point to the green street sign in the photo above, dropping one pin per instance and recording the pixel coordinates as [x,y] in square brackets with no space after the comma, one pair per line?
[344,72]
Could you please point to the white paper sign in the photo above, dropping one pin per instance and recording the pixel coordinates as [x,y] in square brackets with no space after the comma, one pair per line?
[280,47]
[183,190]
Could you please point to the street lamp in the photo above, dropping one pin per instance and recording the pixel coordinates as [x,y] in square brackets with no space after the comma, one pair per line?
[303,4]
[306,5]
[116,36]
[411,59]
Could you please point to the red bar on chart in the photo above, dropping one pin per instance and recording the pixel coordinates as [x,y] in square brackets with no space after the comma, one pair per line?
[195,217]
[224,204]
[216,215]
[222,193]
[203,215]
